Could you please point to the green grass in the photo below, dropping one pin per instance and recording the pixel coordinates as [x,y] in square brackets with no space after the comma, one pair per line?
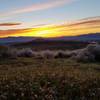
[49,79]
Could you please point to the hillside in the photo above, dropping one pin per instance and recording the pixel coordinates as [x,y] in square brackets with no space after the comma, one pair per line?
[51,45]
[87,37]
[13,40]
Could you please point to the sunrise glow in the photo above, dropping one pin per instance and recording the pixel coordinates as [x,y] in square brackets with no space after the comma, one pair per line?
[49,18]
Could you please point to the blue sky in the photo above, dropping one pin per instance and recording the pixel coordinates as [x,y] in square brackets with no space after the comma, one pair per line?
[71,10]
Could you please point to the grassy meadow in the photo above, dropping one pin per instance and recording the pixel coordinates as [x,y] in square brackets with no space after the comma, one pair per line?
[48,79]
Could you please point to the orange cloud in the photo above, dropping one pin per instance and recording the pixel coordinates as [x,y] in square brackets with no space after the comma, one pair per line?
[86,22]
[15,32]
[9,24]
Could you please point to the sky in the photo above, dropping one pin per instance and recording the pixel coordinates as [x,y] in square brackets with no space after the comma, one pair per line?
[49,18]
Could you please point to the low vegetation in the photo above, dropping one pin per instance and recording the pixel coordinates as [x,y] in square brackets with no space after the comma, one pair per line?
[87,54]
[48,75]
[49,79]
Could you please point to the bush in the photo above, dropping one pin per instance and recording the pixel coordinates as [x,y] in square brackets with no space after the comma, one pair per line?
[27,52]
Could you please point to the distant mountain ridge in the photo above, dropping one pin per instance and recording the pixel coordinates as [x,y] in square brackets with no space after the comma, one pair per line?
[85,37]
[11,40]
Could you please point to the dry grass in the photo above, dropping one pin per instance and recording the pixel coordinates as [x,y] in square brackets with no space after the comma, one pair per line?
[49,79]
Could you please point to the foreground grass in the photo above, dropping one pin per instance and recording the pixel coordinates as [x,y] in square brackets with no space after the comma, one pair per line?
[53,79]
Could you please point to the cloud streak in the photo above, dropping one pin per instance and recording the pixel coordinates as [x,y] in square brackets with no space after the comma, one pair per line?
[9,24]
[38,7]
[88,22]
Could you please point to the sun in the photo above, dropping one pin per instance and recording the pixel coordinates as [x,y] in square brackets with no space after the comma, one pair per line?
[44,32]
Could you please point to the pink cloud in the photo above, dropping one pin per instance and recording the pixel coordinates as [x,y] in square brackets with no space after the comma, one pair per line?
[38,6]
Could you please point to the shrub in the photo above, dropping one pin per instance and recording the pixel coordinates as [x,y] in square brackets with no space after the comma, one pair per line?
[27,52]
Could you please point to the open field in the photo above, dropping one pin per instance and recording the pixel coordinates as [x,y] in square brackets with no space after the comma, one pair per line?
[49,79]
